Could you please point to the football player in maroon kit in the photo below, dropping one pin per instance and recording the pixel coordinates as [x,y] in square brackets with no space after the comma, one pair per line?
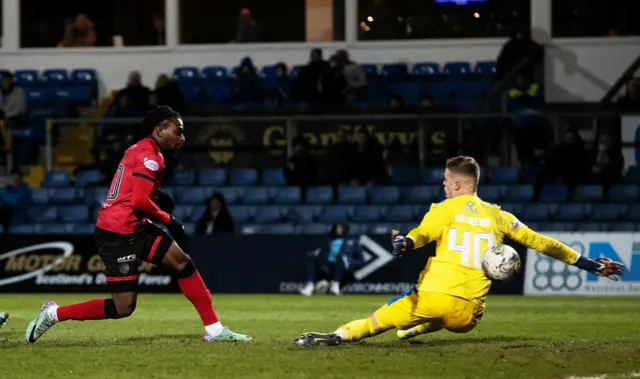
[125,235]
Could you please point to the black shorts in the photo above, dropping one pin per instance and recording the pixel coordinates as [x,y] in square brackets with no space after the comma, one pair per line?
[122,254]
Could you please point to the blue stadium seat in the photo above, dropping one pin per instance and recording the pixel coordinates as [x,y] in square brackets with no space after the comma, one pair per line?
[84,77]
[591,227]
[218,94]
[241,213]
[186,74]
[183,178]
[244,177]
[39,196]
[357,229]
[385,195]
[56,179]
[43,214]
[471,90]
[554,193]
[504,175]
[367,213]
[514,209]
[633,175]
[191,195]
[74,213]
[622,227]
[279,229]
[256,195]
[633,214]
[588,193]
[400,213]
[273,177]
[86,228]
[50,229]
[419,194]
[395,71]
[315,229]
[94,213]
[535,212]
[383,228]
[268,73]
[303,214]
[319,195]
[55,78]
[352,195]
[335,213]
[456,69]
[295,70]
[26,78]
[67,195]
[269,214]
[410,92]
[22,229]
[426,69]
[434,175]
[96,196]
[287,195]
[519,193]
[212,177]
[215,73]
[571,212]
[405,175]
[605,212]
[249,229]
[85,178]
[81,95]
[191,92]
[560,227]
[491,193]
[624,193]
[184,212]
[486,68]
[370,69]
[229,193]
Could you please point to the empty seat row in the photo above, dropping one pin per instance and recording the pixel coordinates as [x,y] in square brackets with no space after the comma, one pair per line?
[575,212]
[55,77]
[323,229]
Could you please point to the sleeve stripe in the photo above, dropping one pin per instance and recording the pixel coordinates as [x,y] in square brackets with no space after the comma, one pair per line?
[139,175]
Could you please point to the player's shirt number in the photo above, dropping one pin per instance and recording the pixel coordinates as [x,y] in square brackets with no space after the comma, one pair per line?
[470,248]
[115,185]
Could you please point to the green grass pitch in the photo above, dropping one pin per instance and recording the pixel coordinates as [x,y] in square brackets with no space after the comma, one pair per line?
[519,337]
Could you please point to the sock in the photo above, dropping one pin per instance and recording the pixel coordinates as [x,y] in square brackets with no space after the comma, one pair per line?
[428,327]
[356,330]
[89,310]
[214,329]
[194,289]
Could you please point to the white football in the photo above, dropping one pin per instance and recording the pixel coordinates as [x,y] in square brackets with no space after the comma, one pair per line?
[501,263]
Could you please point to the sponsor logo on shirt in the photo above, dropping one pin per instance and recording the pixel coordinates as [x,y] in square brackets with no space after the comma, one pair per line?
[473,221]
[151,164]
[516,224]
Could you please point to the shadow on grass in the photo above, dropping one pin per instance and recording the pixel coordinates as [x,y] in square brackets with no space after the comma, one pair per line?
[15,339]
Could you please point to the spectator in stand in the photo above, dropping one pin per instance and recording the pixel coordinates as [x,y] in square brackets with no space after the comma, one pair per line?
[158,36]
[14,200]
[247,86]
[607,161]
[310,77]
[282,93]
[342,255]
[353,74]
[630,102]
[216,218]
[301,169]
[113,154]
[569,159]
[426,101]
[338,160]
[79,32]
[248,29]
[396,102]
[123,107]
[519,46]
[137,92]
[333,85]
[168,93]
[368,165]
[13,102]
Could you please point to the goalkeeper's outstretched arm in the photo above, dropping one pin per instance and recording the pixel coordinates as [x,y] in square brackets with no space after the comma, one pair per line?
[557,250]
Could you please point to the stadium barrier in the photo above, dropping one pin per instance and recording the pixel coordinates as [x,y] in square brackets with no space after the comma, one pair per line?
[275,264]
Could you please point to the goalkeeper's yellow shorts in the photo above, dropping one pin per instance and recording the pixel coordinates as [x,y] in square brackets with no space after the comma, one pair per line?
[415,308]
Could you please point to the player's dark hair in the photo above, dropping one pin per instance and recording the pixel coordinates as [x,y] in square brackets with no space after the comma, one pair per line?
[464,165]
[158,116]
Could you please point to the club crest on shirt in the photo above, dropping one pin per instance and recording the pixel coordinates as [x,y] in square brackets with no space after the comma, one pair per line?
[151,164]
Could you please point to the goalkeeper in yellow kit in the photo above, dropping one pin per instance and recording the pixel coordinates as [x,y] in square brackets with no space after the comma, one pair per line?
[452,288]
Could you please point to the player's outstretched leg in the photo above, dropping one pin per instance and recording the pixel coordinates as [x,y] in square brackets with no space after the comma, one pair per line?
[428,327]
[4,316]
[195,290]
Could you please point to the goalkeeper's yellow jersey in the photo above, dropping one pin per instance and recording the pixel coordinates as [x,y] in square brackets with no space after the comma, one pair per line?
[463,228]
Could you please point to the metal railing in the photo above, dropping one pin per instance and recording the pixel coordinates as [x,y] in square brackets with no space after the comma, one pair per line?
[247,141]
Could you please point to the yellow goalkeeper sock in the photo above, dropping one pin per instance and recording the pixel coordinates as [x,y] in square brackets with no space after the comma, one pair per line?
[356,330]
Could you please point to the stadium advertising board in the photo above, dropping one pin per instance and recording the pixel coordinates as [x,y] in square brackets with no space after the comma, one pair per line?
[63,263]
[545,276]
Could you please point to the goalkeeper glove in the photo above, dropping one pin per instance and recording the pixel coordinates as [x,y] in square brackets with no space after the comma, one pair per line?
[608,268]
[400,243]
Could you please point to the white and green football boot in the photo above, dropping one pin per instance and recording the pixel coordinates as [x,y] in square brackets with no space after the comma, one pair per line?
[45,320]
[4,316]
[226,335]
